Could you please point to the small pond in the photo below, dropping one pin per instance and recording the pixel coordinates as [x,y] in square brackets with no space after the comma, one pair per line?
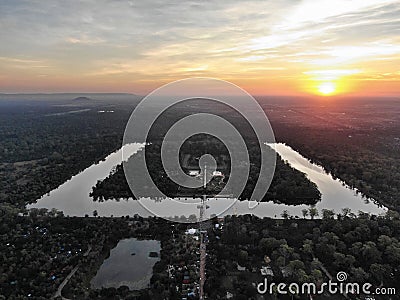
[129,264]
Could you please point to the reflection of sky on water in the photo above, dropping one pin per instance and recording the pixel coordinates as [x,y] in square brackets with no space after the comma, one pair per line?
[73,196]
[123,268]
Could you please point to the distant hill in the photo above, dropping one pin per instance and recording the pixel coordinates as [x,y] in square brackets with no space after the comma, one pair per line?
[82,98]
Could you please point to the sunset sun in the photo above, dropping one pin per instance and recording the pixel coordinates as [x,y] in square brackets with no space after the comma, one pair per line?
[327,88]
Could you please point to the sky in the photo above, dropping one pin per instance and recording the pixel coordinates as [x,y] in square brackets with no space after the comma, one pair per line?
[286,47]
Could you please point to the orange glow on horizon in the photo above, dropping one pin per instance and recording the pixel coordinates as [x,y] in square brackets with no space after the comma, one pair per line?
[306,48]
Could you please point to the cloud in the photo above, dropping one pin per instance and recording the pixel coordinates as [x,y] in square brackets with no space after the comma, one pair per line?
[252,58]
[316,12]
[331,74]
[161,39]
[22,63]
[84,40]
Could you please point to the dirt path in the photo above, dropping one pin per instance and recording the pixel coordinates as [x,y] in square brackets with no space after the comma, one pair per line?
[202,269]
[69,276]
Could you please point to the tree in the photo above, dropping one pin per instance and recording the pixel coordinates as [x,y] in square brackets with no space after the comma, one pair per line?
[192,218]
[313,212]
[243,257]
[308,247]
[370,253]
[295,265]
[328,214]
[304,212]
[285,251]
[52,212]
[268,245]
[316,274]
[346,211]
[296,268]
[285,214]
[392,253]
[380,272]
[392,215]
[384,241]
[359,275]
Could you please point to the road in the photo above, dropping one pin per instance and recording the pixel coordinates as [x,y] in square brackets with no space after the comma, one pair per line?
[64,283]
[69,276]
[322,267]
[202,268]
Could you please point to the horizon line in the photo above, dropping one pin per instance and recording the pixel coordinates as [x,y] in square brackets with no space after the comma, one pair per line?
[254,95]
